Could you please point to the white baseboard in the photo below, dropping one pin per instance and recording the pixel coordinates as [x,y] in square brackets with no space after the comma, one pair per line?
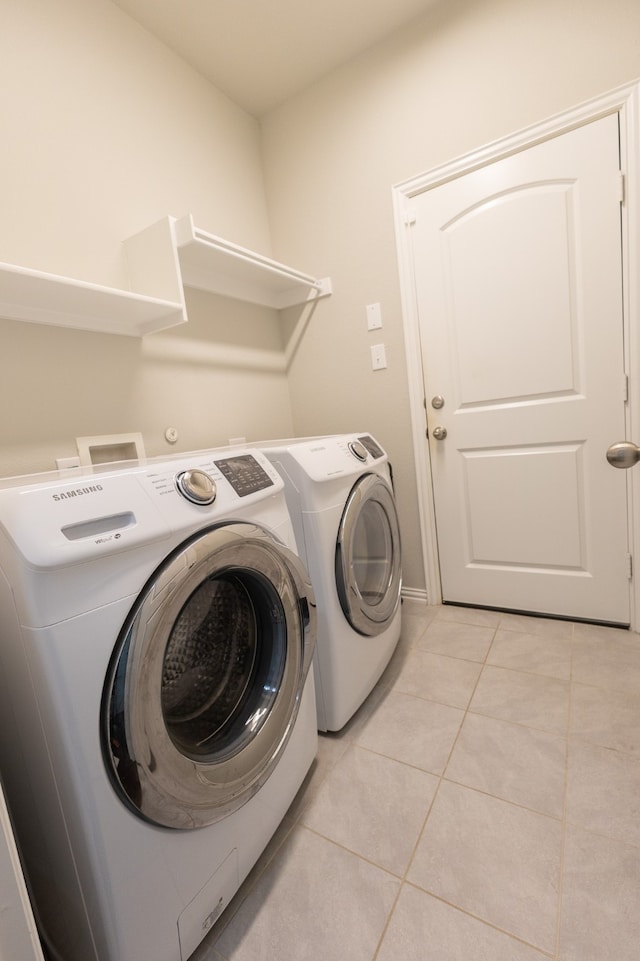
[415,594]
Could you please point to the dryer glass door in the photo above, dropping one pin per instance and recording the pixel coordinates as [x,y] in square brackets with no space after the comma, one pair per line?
[207,676]
[368,563]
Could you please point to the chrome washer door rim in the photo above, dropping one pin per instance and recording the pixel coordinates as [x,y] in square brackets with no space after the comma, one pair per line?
[365,617]
[161,782]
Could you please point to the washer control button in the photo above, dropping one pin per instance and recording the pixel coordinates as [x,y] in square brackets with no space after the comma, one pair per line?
[358,450]
[197,486]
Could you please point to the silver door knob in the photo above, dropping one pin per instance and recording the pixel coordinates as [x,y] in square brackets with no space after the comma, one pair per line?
[623,454]
[439,433]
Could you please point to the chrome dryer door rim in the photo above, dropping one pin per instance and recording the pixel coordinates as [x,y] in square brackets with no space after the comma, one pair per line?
[230,580]
[368,556]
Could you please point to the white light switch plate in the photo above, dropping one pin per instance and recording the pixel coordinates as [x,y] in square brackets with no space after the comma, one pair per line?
[378,357]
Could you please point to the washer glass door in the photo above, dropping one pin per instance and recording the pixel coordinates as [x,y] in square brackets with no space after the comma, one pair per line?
[207,676]
[368,563]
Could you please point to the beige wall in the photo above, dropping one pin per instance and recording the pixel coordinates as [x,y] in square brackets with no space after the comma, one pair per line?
[468,73]
[104,132]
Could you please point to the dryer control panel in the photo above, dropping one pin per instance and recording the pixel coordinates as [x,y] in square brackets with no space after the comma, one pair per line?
[342,455]
[374,449]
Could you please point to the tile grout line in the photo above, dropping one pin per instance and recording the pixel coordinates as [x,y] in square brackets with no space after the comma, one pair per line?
[563,837]
[404,880]
[484,921]
[565,824]
[561,819]
[263,864]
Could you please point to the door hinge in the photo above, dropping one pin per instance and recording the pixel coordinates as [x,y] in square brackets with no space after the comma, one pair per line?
[625,387]
[630,566]
[409,219]
[621,186]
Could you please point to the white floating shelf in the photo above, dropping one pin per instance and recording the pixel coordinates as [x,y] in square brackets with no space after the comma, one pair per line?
[210,263]
[162,260]
[42,298]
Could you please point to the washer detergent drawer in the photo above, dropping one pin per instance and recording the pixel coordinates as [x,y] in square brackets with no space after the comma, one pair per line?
[69,522]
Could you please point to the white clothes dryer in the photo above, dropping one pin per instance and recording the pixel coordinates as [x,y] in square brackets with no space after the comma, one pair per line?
[157,706]
[340,496]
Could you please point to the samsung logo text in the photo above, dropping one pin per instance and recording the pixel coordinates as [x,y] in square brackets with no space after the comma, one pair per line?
[77,492]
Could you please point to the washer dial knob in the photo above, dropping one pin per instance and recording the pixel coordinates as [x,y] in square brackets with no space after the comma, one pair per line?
[197,486]
[358,450]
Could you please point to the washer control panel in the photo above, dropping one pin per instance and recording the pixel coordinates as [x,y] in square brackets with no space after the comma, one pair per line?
[60,518]
[244,473]
[197,486]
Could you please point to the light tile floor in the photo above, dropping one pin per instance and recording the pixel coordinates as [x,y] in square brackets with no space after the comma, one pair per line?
[482,805]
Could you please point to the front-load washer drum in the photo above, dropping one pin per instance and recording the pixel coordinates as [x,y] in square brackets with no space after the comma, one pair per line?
[207,676]
[367,561]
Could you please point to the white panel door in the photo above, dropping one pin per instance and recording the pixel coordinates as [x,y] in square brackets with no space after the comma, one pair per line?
[518,271]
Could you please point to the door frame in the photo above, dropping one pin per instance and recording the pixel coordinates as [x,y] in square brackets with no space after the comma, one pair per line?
[625,101]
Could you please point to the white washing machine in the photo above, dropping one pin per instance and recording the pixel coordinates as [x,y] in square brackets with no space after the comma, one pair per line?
[157,706]
[340,495]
